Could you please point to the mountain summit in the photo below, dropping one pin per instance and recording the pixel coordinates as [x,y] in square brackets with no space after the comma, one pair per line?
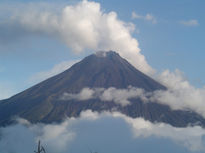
[102,70]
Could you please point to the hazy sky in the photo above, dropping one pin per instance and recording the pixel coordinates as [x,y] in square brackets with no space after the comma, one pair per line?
[170,35]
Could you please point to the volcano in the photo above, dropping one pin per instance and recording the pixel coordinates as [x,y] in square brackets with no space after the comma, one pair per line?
[41,103]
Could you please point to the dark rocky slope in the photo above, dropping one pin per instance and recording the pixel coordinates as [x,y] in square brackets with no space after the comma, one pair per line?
[41,103]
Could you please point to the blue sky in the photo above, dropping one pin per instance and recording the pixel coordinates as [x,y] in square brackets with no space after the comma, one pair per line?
[167,44]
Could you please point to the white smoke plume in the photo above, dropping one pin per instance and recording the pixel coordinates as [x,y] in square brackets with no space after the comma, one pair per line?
[81,26]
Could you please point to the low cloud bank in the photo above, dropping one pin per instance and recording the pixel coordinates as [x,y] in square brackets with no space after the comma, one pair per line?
[180,95]
[104,132]
[119,96]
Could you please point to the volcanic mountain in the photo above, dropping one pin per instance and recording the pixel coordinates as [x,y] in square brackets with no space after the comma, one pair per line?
[42,102]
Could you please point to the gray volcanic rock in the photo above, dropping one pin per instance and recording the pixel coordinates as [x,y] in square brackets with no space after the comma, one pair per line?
[41,103]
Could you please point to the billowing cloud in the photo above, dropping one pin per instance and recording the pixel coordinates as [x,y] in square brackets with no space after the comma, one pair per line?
[190,23]
[93,131]
[58,68]
[148,17]
[82,26]
[180,94]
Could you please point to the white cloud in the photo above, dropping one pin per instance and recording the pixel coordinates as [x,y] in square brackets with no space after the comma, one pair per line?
[190,137]
[56,136]
[83,26]
[180,95]
[118,96]
[148,17]
[58,68]
[122,96]
[190,23]
[75,133]
[85,94]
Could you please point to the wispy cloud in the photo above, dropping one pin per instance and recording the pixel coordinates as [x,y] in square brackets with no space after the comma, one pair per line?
[190,23]
[148,17]
[6,89]
[58,68]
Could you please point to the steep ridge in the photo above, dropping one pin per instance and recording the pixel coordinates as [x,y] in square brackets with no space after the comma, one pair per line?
[41,103]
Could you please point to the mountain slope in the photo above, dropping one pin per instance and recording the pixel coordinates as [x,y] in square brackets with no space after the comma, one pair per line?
[41,103]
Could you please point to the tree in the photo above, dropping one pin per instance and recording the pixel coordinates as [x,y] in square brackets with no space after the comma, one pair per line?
[40,148]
